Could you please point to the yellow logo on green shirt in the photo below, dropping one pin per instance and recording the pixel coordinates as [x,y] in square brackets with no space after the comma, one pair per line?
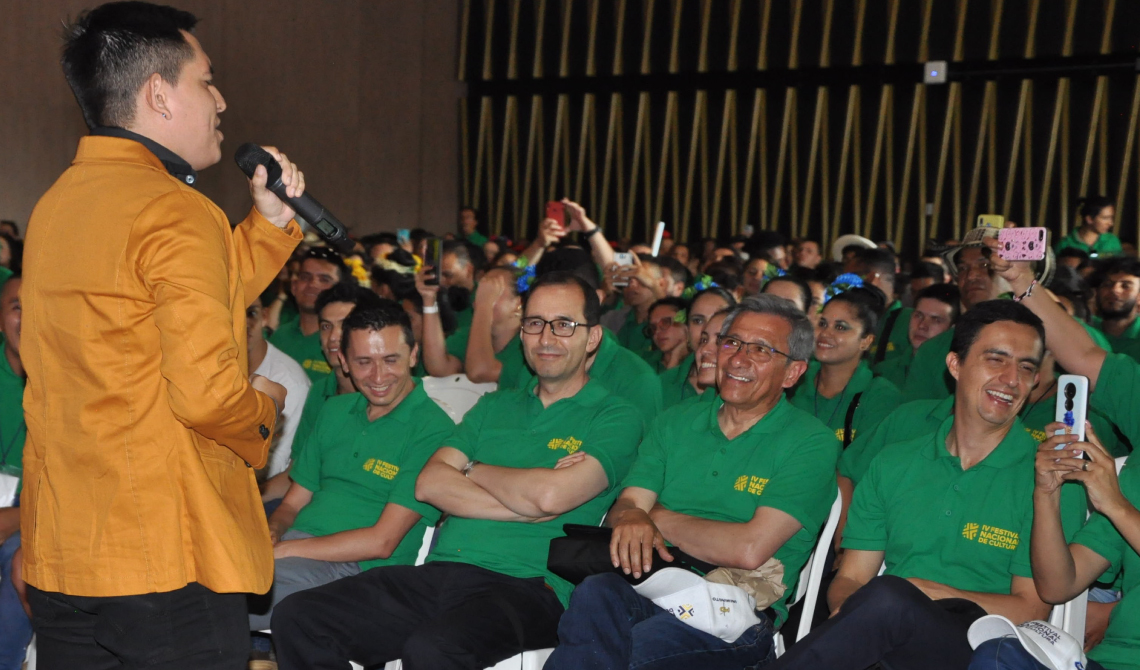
[1038,435]
[890,346]
[840,432]
[752,484]
[316,366]
[991,535]
[569,444]
[381,468]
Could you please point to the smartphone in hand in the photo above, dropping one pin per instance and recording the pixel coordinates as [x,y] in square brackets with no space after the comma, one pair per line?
[557,211]
[433,260]
[1023,244]
[1072,404]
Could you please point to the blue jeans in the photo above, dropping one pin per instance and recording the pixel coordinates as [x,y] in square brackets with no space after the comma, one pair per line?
[608,625]
[1006,653]
[15,628]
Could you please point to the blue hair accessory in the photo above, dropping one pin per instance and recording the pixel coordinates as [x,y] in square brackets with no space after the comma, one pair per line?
[844,282]
[702,283]
[524,281]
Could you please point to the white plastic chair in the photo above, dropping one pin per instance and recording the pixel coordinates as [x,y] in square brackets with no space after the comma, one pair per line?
[455,394]
[811,577]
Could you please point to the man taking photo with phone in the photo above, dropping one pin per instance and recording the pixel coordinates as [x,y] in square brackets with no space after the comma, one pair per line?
[143,527]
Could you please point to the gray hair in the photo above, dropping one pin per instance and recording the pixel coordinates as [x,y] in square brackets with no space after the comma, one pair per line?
[801,342]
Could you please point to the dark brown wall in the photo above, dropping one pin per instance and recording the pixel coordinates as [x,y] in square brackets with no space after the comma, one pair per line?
[362,94]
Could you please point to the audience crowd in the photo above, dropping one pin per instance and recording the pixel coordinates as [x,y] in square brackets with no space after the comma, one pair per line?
[705,405]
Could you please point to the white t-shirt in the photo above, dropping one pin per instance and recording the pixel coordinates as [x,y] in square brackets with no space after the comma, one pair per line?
[279,367]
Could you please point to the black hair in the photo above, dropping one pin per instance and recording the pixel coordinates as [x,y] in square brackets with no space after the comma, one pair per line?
[1068,283]
[928,270]
[465,252]
[669,301]
[762,243]
[877,259]
[945,293]
[269,295]
[9,222]
[569,260]
[676,269]
[376,317]
[329,256]
[16,250]
[1091,205]
[805,290]
[592,308]
[109,52]
[375,239]
[1082,256]
[719,291]
[345,292]
[869,304]
[1114,265]
[970,324]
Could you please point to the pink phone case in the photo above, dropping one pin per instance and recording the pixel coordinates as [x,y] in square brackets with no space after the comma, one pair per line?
[1023,244]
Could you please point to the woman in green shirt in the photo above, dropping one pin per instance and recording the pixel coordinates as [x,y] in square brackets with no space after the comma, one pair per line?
[682,382]
[839,388]
[666,328]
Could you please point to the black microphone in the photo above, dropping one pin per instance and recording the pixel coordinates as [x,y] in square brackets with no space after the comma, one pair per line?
[249,156]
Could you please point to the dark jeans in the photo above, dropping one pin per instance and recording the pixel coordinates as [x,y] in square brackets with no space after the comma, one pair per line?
[15,629]
[609,627]
[1007,654]
[439,615]
[889,621]
[192,628]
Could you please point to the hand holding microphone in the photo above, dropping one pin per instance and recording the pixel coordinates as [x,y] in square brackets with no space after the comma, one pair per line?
[272,177]
[269,204]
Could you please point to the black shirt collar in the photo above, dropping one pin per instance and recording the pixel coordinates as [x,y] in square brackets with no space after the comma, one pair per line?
[173,163]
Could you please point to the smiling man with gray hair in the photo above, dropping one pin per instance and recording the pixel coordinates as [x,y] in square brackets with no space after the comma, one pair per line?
[742,482]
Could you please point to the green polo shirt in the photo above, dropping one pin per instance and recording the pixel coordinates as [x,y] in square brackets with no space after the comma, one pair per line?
[879,397]
[477,238]
[786,461]
[1117,394]
[1123,341]
[897,341]
[675,386]
[967,529]
[319,393]
[13,430]
[895,368]
[512,429]
[911,420]
[305,349]
[623,373]
[1120,649]
[1107,244]
[928,376]
[355,466]
[5,273]
[511,357]
[632,336]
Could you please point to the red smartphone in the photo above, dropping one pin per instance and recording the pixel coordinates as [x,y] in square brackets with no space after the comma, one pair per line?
[1023,244]
[557,211]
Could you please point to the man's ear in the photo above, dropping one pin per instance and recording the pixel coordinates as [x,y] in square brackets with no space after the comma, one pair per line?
[343,362]
[792,373]
[594,341]
[953,364]
[412,359]
[154,98]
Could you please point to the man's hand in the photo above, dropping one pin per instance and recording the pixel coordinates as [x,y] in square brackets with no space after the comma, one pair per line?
[429,292]
[268,204]
[573,459]
[642,274]
[635,536]
[17,577]
[550,231]
[490,289]
[1096,622]
[933,590]
[1055,458]
[1098,476]
[1017,273]
[578,220]
[269,388]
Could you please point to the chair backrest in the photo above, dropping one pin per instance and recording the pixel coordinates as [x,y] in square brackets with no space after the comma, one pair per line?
[425,546]
[811,577]
[455,394]
[1120,463]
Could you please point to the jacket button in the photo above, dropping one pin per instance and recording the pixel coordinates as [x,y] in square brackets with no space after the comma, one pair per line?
[263,431]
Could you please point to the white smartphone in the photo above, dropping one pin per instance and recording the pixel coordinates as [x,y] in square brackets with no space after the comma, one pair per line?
[622,259]
[1072,404]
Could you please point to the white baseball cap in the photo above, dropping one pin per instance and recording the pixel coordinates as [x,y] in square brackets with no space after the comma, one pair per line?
[849,240]
[718,609]
[1051,646]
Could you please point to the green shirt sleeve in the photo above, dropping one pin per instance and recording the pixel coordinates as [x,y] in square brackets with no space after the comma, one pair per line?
[465,437]
[456,343]
[857,457]
[877,402]
[309,413]
[306,469]
[431,436]
[648,471]
[1117,390]
[866,528]
[928,377]
[615,431]
[806,477]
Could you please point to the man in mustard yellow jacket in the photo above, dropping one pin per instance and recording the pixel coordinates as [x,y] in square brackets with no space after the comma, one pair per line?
[142,524]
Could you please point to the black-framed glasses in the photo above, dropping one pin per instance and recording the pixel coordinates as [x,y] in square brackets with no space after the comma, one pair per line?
[533,325]
[757,351]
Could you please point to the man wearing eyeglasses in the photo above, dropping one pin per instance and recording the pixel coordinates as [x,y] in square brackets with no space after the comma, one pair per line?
[521,464]
[744,481]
